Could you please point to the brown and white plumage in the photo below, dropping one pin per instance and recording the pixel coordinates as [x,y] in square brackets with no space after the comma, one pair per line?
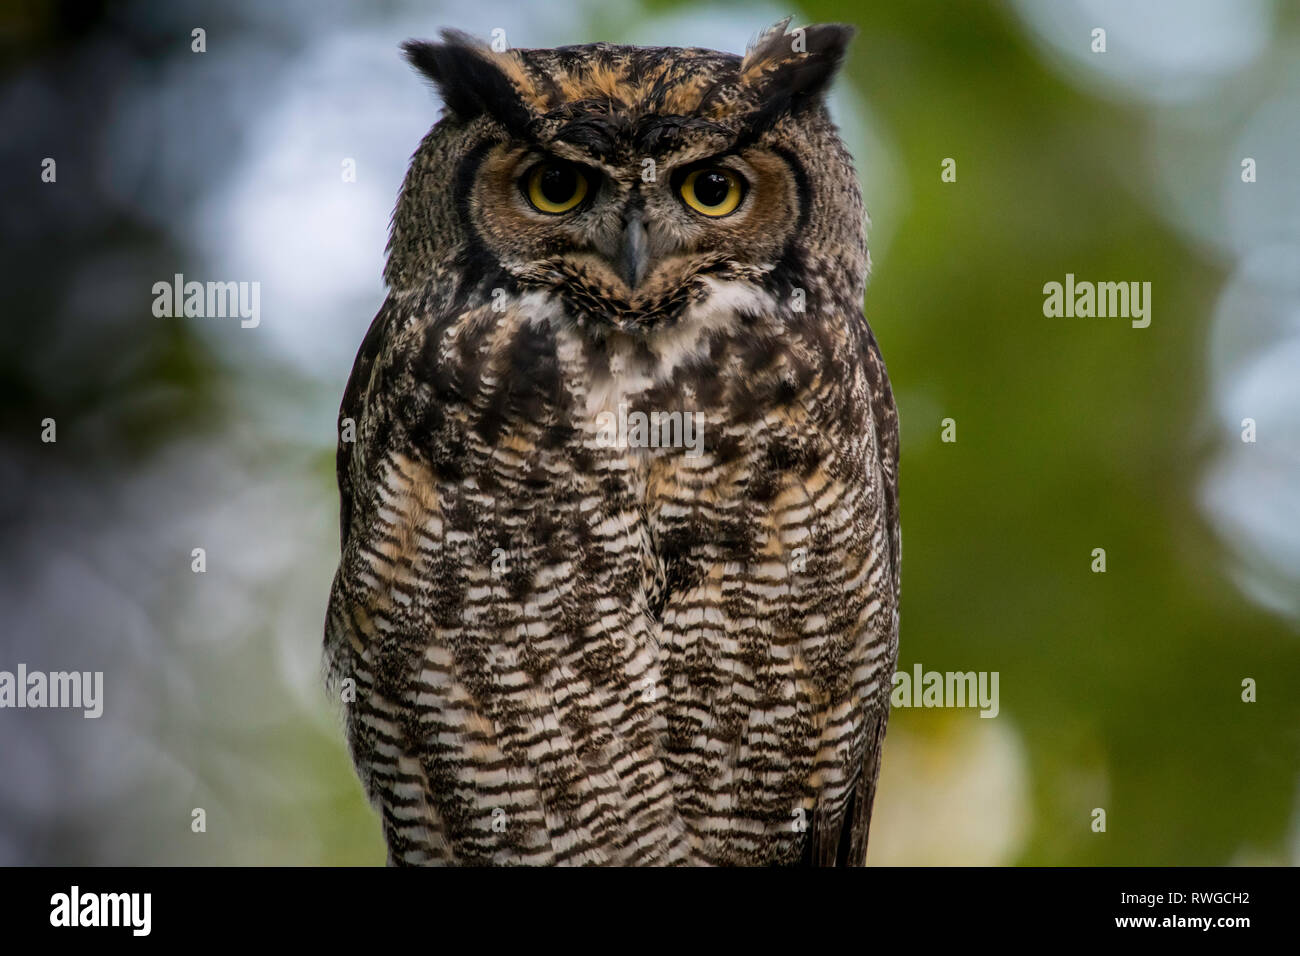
[567,651]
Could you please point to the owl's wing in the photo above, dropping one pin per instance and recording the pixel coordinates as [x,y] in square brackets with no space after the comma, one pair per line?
[845,844]
[349,634]
[350,413]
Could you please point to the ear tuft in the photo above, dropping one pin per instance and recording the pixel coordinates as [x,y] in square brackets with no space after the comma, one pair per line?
[791,70]
[471,78]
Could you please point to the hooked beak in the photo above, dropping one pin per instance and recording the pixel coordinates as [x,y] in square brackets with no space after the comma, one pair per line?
[634,254]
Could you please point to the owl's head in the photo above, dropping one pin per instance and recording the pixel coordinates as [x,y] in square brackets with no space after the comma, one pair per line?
[632,182]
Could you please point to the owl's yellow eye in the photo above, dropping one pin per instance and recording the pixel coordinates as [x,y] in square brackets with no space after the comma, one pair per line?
[714,191]
[555,188]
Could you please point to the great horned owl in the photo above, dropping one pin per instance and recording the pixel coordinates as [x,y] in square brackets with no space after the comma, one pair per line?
[620,542]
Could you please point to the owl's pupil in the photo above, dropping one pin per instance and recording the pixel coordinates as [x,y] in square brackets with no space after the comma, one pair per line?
[558,184]
[711,188]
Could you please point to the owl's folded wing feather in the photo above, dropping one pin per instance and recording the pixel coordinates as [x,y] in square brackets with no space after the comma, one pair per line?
[845,844]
